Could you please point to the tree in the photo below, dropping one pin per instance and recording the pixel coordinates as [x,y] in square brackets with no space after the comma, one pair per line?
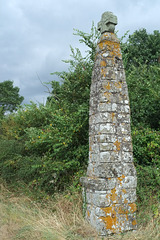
[9,97]
[144,93]
[141,48]
[141,54]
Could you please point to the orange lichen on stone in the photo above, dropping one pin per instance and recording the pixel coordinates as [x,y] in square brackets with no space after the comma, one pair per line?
[121,178]
[112,47]
[103,63]
[103,72]
[133,207]
[125,201]
[100,45]
[134,222]
[117,144]
[110,220]
[108,87]
[113,195]
[88,213]
[122,210]
[113,115]
[124,190]
[107,95]
[110,223]
[118,85]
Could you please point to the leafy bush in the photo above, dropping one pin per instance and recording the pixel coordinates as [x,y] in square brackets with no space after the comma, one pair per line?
[55,148]
[146,151]
[10,151]
[141,48]
[144,93]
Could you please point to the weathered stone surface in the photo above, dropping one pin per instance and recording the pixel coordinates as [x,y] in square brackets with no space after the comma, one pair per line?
[109,190]
[107,23]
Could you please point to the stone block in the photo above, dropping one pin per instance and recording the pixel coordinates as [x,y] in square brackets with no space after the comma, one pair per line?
[129,169]
[108,170]
[107,147]
[127,156]
[97,199]
[123,129]
[123,108]
[123,117]
[110,157]
[97,184]
[126,147]
[129,195]
[129,182]
[107,128]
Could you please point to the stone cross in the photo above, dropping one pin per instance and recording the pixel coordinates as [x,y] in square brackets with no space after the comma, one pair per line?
[109,189]
[107,23]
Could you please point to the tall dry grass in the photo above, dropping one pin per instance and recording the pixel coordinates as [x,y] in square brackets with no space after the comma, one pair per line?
[58,219]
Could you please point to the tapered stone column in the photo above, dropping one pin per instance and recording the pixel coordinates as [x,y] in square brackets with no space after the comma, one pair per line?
[109,190]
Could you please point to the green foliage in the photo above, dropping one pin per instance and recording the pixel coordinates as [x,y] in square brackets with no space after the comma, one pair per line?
[146,147]
[9,97]
[10,151]
[141,48]
[90,40]
[55,148]
[144,93]
[147,159]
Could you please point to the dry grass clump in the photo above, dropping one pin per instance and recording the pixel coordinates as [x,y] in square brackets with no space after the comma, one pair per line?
[58,219]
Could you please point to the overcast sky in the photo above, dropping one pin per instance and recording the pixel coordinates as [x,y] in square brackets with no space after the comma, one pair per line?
[35,35]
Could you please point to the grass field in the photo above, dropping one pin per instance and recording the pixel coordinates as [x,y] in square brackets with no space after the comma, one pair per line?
[23,217]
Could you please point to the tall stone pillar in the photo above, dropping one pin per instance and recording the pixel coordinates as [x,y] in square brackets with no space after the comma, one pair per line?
[109,189]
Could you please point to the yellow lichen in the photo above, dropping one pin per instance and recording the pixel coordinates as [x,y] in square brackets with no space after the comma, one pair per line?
[133,207]
[125,201]
[117,144]
[113,115]
[134,222]
[103,64]
[118,85]
[110,220]
[112,47]
[108,87]
[121,178]
[103,72]
[107,95]
[88,213]
[124,190]
[100,45]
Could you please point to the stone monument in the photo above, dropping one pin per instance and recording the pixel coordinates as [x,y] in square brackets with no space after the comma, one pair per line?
[109,189]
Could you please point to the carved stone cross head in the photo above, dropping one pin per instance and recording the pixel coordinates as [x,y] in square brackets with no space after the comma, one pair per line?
[107,23]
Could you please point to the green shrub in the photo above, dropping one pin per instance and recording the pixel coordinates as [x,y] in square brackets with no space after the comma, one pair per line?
[146,151]
[144,93]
